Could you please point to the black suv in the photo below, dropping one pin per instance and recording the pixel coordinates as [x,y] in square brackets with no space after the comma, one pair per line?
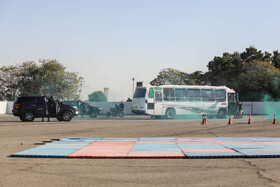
[28,108]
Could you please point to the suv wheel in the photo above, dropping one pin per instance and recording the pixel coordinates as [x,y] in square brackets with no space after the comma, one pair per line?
[59,118]
[67,116]
[21,117]
[29,116]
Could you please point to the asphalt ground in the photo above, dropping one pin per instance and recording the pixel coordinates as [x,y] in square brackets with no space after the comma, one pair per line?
[16,136]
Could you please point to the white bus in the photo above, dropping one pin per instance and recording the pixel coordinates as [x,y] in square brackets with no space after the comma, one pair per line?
[171,100]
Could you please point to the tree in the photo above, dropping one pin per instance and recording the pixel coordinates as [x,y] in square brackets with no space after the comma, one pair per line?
[260,79]
[97,96]
[9,79]
[58,82]
[176,77]
[251,73]
[169,76]
[276,59]
[31,79]
[225,70]
[252,54]
[196,78]
[46,78]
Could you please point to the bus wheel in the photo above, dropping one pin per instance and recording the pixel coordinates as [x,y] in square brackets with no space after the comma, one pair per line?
[170,113]
[221,114]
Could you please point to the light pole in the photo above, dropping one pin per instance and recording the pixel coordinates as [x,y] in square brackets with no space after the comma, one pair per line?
[133,86]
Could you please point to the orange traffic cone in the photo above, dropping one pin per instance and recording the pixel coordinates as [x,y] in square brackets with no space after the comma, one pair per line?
[229,120]
[274,119]
[249,122]
[203,119]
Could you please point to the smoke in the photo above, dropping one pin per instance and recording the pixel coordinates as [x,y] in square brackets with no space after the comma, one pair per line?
[271,106]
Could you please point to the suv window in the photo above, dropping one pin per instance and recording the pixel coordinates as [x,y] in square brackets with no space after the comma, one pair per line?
[40,101]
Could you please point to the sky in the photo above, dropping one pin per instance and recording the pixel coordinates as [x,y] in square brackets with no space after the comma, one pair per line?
[109,42]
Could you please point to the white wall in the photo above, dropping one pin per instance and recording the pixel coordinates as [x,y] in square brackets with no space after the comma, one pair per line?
[3,106]
[6,107]
[9,107]
[261,107]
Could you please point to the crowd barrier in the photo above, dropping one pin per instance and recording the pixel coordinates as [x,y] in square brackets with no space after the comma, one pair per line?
[6,107]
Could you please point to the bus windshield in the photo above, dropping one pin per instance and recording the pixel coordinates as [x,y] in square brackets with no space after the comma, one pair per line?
[139,92]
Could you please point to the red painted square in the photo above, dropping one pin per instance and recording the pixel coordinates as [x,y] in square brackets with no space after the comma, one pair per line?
[206,142]
[155,142]
[104,150]
[115,143]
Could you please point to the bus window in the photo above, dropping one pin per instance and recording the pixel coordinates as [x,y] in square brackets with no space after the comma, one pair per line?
[207,95]
[158,96]
[139,92]
[181,94]
[194,95]
[220,95]
[151,93]
[168,94]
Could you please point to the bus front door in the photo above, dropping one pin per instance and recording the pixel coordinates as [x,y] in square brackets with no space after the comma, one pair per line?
[231,103]
[158,107]
[150,102]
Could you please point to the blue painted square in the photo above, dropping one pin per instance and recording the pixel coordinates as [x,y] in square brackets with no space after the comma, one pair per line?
[155,148]
[201,146]
[213,154]
[259,152]
[45,152]
[73,142]
[196,140]
[230,139]
[272,145]
[63,146]
[120,139]
[246,146]
[266,139]
[159,139]
[82,139]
